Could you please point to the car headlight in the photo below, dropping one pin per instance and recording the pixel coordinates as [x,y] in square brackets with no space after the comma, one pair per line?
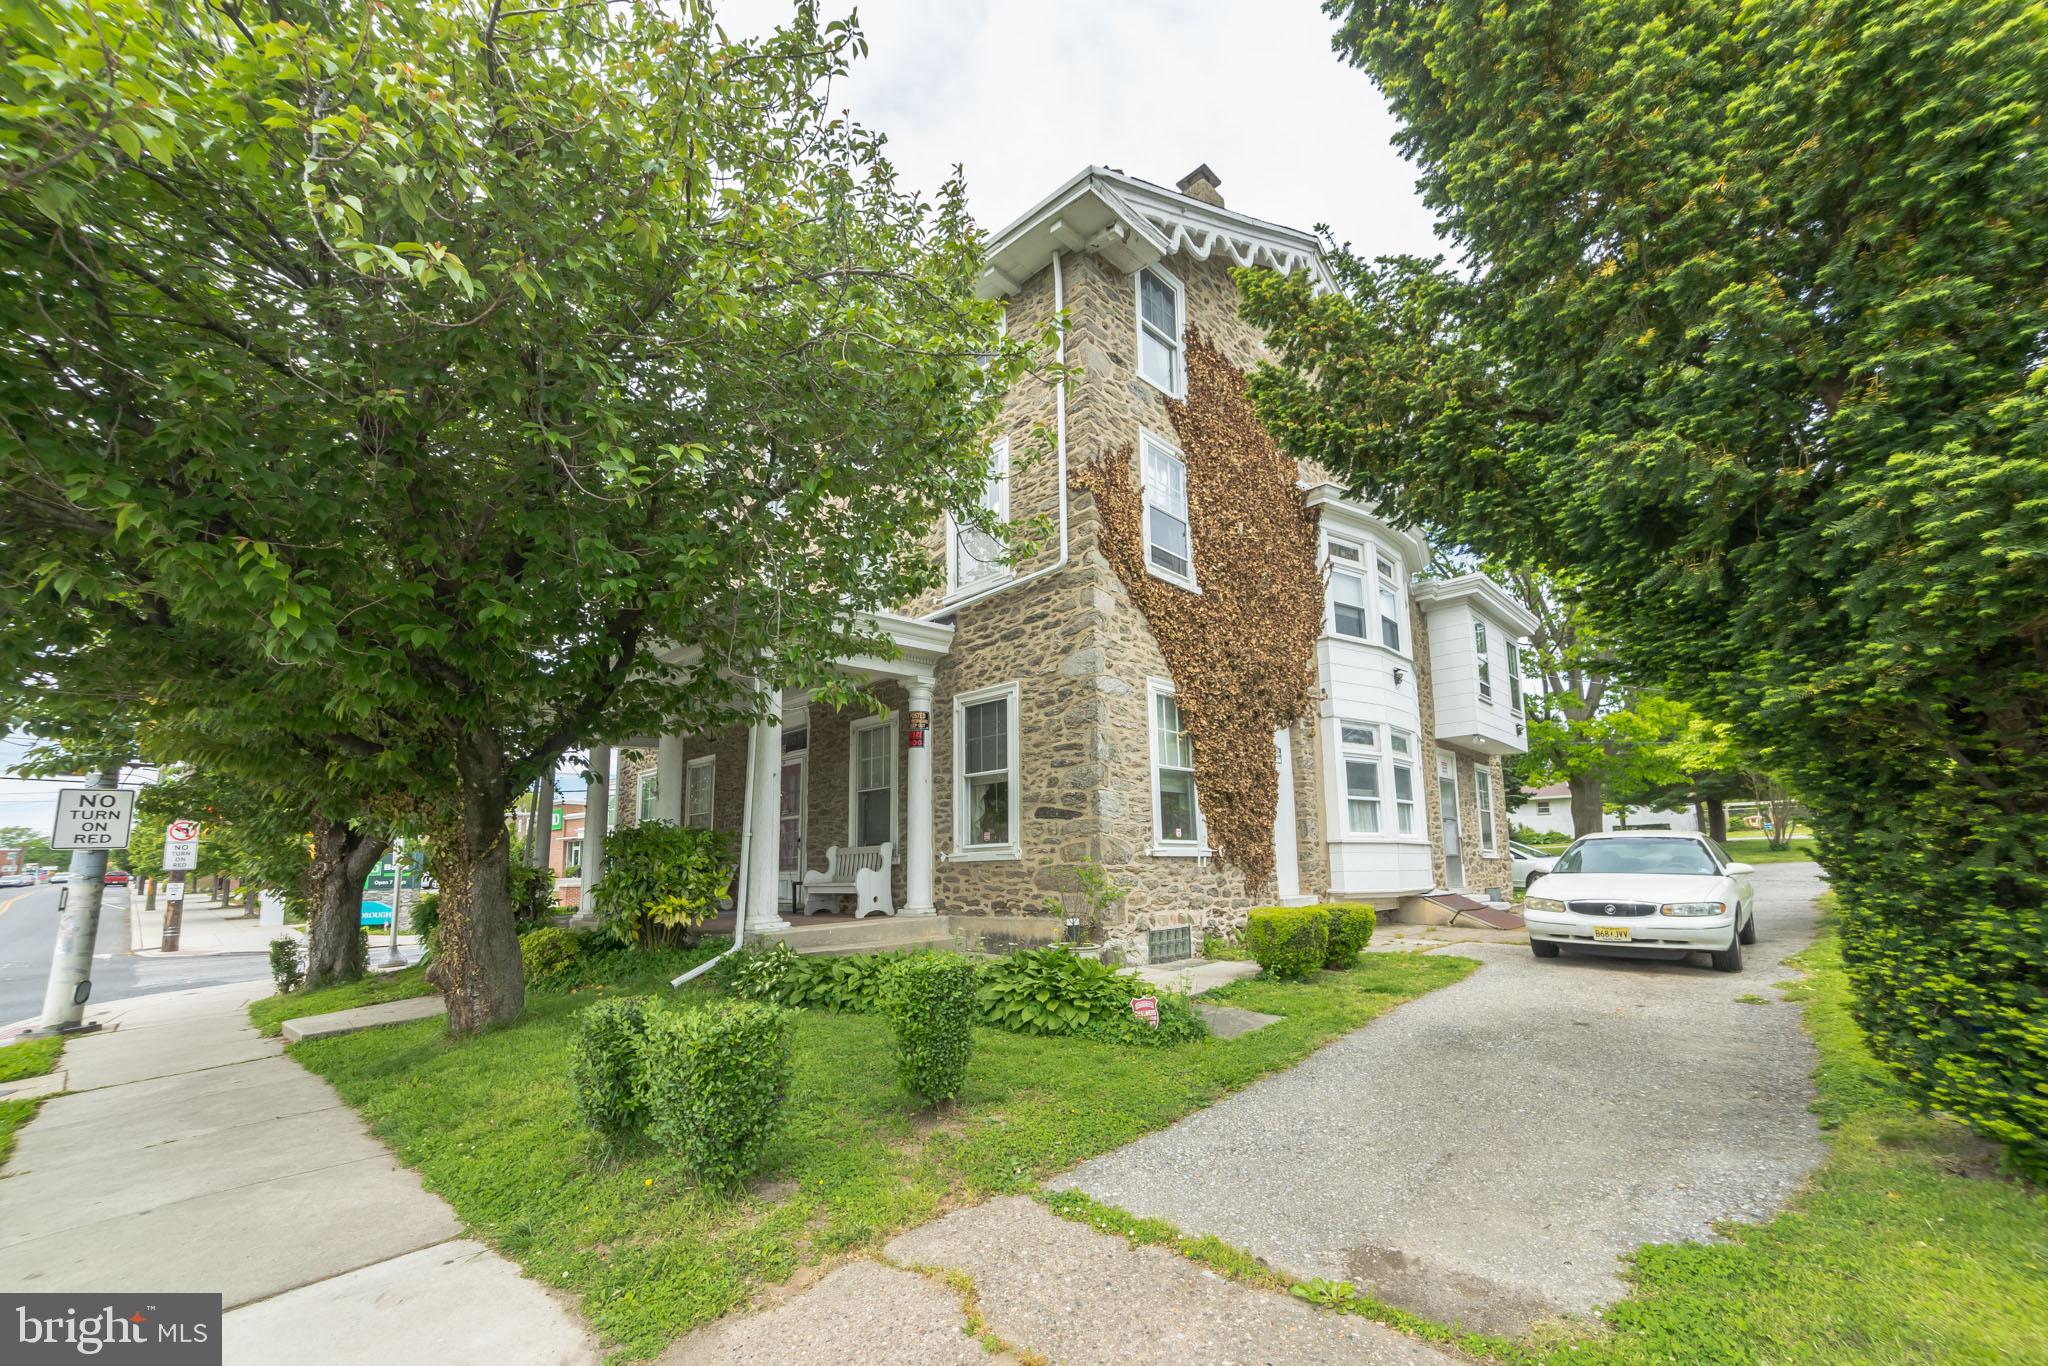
[1543,905]
[1695,908]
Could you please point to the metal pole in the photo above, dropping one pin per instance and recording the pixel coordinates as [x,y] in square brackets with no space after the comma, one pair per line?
[397,898]
[77,929]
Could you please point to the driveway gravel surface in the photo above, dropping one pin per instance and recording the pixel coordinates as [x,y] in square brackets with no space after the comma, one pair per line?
[1487,1154]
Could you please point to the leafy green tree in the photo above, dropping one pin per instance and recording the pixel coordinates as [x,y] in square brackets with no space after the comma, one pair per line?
[1747,336]
[437,362]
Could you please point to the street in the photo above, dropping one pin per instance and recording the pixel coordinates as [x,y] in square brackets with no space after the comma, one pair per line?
[28,933]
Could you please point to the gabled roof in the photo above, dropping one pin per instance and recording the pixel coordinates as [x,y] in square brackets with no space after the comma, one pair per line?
[1134,223]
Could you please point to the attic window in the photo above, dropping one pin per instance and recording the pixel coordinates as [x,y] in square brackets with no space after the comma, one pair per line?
[1160,362]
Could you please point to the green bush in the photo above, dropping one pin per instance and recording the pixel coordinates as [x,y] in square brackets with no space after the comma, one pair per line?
[660,882]
[1217,949]
[1178,1023]
[426,925]
[712,1081]
[548,951]
[930,999]
[1051,991]
[604,1067]
[1288,941]
[1351,925]
[602,960]
[287,962]
[766,974]
[533,897]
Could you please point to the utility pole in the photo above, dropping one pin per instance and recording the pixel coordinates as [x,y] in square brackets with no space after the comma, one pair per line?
[77,929]
[393,960]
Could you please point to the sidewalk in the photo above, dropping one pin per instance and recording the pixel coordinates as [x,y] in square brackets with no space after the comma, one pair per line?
[190,1155]
[209,927]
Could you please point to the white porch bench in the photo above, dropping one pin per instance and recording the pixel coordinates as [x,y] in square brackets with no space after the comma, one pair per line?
[860,871]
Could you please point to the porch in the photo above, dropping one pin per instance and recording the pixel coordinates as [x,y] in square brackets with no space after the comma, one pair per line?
[803,780]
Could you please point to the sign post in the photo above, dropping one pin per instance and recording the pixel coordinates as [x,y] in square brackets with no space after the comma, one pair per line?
[181,855]
[93,821]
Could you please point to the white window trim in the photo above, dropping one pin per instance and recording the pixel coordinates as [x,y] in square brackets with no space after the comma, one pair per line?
[999,460]
[963,852]
[1369,550]
[1337,788]
[1482,661]
[1354,751]
[1489,835]
[646,798]
[1514,676]
[1358,571]
[853,734]
[1179,387]
[710,763]
[1412,761]
[1388,582]
[1198,847]
[1147,436]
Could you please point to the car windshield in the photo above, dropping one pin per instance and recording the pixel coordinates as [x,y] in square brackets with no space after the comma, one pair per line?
[1637,856]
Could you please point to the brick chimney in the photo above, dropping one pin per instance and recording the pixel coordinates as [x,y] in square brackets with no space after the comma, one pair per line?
[1201,184]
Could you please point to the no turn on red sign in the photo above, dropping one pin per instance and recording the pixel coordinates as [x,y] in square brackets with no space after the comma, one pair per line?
[181,846]
[93,818]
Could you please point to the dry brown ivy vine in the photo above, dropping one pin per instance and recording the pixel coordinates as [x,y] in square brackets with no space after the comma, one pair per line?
[1242,651]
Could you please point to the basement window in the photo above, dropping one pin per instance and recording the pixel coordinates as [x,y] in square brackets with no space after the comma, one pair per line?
[1167,946]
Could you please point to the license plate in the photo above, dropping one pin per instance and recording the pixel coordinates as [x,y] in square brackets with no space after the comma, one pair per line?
[1611,932]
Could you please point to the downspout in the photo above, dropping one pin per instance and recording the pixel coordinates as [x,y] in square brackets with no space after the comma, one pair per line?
[1059,306]
[739,899]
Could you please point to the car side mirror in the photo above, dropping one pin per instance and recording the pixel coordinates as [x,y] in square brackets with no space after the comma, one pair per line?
[1738,869]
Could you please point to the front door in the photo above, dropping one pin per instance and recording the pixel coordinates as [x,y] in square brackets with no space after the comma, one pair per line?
[1286,862]
[1447,797]
[790,826]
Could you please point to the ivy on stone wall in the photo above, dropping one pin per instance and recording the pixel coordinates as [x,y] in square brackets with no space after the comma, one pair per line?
[1242,651]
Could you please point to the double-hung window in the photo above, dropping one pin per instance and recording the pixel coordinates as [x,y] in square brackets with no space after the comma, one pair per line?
[1361,754]
[1160,360]
[701,778]
[1485,665]
[1167,552]
[1390,603]
[1401,759]
[645,798]
[572,858]
[1483,784]
[872,805]
[1176,813]
[1514,678]
[974,556]
[985,772]
[1347,590]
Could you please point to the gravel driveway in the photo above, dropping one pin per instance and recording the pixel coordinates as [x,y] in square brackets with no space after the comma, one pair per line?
[1486,1154]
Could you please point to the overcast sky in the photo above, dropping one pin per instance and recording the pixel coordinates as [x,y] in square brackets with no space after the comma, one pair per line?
[1026,92]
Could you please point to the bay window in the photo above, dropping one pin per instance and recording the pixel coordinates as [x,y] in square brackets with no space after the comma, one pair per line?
[1401,755]
[1390,603]
[1360,744]
[1347,590]
[1485,664]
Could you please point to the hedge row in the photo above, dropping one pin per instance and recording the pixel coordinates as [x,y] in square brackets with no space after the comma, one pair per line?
[1290,942]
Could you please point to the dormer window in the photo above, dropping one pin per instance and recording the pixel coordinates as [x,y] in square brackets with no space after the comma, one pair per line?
[1160,362]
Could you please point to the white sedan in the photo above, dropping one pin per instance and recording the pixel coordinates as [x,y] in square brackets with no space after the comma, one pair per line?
[1641,890]
[1529,863]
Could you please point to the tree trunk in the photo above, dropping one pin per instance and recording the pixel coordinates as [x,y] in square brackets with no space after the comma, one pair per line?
[1586,806]
[477,967]
[1717,820]
[149,900]
[343,856]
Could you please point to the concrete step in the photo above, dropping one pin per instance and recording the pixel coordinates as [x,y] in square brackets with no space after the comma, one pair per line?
[876,934]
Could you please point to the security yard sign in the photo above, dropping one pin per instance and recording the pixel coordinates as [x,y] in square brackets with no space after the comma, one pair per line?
[93,818]
[181,846]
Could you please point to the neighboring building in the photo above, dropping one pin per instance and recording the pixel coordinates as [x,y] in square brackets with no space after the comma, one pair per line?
[1032,724]
[565,851]
[11,863]
[1549,809]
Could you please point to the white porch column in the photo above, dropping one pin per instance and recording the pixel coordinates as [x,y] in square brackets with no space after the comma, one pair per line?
[596,821]
[764,821]
[668,780]
[917,839]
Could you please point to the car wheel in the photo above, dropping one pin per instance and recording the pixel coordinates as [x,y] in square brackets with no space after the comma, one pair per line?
[1543,948]
[1748,935]
[1730,958]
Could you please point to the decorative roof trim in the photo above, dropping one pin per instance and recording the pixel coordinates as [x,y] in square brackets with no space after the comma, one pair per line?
[1482,592]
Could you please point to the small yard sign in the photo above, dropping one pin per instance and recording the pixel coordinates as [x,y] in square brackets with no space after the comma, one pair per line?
[93,818]
[1146,1008]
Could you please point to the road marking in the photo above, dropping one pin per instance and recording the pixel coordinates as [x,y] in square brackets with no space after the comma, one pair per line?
[12,899]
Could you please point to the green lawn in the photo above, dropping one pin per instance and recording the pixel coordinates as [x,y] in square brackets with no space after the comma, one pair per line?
[270,1013]
[18,1061]
[487,1121]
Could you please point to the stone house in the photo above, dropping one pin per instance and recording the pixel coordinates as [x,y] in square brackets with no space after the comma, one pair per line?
[1032,727]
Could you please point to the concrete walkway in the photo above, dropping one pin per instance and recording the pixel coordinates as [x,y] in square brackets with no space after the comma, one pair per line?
[1486,1154]
[190,1155]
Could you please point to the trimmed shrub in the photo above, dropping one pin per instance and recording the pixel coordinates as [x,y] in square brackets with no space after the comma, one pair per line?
[931,1001]
[604,1066]
[712,1081]
[1052,991]
[1351,925]
[1288,941]
[661,882]
[545,952]
[287,963]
